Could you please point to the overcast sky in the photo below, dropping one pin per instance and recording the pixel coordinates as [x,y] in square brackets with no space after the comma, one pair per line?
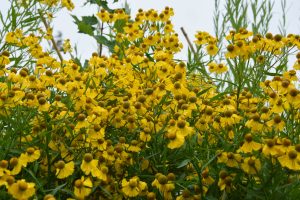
[193,15]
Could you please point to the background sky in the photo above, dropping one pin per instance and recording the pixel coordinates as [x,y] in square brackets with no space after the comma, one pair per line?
[193,15]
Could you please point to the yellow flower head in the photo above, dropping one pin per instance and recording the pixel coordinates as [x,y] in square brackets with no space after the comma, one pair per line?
[22,190]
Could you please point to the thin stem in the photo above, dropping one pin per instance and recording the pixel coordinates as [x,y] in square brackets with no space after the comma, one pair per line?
[52,39]
[188,40]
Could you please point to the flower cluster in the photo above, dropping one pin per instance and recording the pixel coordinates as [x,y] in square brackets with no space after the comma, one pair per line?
[139,124]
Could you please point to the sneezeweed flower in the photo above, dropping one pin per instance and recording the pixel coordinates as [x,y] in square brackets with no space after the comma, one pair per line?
[230,159]
[49,197]
[43,104]
[67,46]
[63,170]
[89,165]
[276,123]
[221,68]
[22,190]
[251,165]
[67,4]
[176,140]
[17,163]
[290,75]
[164,184]
[212,66]
[225,181]
[3,168]
[82,122]
[270,148]
[297,64]
[290,160]
[83,187]
[207,180]
[32,154]
[6,180]
[134,146]
[232,51]
[249,145]
[212,49]
[133,187]
[293,98]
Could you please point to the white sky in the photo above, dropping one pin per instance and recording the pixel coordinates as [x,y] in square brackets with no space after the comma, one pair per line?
[193,15]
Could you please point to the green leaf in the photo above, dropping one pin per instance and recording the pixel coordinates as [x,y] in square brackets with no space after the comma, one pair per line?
[58,188]
[271,74]
[30,19]
[102,4]
[13,18]
[203,91]
[83,27]
[91,20]
[103,40]
[119,25]
[184,163]
[218,96]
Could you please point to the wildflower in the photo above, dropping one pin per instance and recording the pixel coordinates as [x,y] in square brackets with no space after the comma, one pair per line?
[176,140]
[231,51]
[3,168]
[212,49]
[49,197]
[221,68]
[89,165]
[82,187]
[68,4]
[249,145]
[225,180]
[67,46]
[22,190]
[133,187]
[290,160]
[6,180]
[17,164]
[32,154]
[63,170]
[164,184]
[251,165]
[270,148]
[276,123]
[230,159]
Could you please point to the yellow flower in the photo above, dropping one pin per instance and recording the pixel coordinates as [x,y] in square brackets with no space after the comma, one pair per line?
[232,51]
[230,159]
[22,190]
[276,123]
[89,165]
[133,187]
[221,68]
[67,46]
[164,184]
[212,49]
[3,168]
[251,165]
[67,4]
[225,180]
[82,187]
[63,169]
[291,160]
[176,140]
[6,180]
[17,164]
[270,148]
[249,145]
[32,154]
